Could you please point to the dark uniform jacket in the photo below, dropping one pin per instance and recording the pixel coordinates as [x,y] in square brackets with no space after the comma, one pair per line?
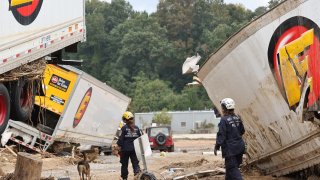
[127,137]
[229,136]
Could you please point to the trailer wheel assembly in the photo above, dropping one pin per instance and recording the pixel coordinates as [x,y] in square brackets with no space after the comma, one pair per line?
[4,107]
[161,139]
[22,99]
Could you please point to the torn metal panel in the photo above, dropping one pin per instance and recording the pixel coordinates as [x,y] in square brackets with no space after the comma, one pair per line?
[270,68]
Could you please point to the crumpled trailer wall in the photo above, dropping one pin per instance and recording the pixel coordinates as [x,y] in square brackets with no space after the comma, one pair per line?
[271,69]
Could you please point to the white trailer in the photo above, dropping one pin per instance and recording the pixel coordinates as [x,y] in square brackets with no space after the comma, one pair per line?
[29,31]
[89,114]
[271,69]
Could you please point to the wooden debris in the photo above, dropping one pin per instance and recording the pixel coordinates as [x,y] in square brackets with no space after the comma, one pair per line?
[28,167]
[12,152]
[8,176]
[31,71]
[1,172]
[201,174]
[2,149]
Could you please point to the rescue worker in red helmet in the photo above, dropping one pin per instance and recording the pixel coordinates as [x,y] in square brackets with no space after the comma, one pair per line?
[129,132]
[229,138]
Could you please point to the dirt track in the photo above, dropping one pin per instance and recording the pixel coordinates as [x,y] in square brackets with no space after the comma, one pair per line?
[188,155]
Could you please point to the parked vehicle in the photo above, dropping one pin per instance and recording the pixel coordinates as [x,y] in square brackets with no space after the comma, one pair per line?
[160,138]
[271,69]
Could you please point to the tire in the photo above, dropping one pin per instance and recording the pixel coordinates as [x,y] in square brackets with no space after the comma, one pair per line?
[171,148]
[161,139]
[4,107]
[22,95]
[45,129]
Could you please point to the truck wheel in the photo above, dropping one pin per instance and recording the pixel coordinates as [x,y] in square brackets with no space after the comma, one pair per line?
[4,107]
[22,99]
[161,139]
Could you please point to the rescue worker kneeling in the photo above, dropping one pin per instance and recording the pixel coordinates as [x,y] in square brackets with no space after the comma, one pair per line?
[129,133]
[229,138]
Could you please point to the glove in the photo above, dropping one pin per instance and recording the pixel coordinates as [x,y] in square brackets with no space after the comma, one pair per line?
[216,148]
[115,150]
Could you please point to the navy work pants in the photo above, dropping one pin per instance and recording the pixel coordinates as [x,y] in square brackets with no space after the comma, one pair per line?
[124,160]
[232,164]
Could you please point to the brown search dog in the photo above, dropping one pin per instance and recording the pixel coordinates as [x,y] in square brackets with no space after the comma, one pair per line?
[84,168]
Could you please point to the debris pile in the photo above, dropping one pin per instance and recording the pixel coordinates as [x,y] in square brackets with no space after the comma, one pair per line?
[187,164]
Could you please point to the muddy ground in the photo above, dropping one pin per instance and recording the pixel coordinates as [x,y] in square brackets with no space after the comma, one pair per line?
[188,156]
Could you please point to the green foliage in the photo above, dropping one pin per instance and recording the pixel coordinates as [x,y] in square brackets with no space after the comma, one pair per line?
[163,118]
[141,55]
[273,3]
[151,95]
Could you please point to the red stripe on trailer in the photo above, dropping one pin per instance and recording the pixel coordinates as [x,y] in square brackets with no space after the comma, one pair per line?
[41,46]
[25,144]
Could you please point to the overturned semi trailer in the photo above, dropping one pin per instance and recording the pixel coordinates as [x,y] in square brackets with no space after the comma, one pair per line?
[271,69]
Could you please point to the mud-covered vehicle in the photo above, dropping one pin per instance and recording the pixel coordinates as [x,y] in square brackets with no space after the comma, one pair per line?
[160,138]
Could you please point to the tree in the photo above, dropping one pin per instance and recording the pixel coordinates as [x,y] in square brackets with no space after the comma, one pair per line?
[193,98]
[216,37]
[151,95]
[260,10]
[162,118]
[273,3]
[141,55]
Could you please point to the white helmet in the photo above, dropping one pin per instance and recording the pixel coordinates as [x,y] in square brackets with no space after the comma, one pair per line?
[228,103]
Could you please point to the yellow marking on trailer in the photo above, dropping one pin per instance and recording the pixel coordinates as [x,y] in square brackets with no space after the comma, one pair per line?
[19,2]
[58,86]
[292,69]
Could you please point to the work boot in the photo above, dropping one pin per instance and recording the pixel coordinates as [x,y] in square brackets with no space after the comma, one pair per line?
[137,175]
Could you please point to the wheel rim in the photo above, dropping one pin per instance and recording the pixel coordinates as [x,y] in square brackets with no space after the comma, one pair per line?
[25,97]
[3,109]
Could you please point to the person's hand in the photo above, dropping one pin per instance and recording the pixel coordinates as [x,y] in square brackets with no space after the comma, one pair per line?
[216,148]
[115,150]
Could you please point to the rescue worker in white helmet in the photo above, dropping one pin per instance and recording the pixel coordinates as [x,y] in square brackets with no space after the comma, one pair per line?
[229,138]
[129,132]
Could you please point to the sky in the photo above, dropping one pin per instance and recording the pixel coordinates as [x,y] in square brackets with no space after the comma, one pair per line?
[151,5]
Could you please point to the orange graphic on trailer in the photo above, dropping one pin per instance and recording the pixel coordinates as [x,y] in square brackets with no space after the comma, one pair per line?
[295,60]
[25,11]
[82,107]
